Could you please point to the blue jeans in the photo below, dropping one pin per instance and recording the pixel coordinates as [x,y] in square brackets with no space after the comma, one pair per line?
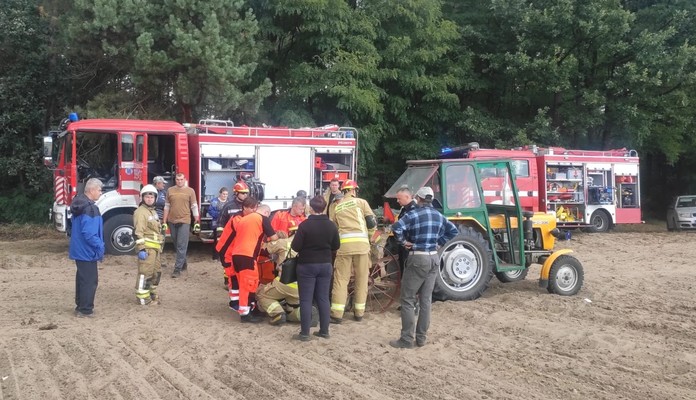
[418,280]
[86,281]
[314,282]
[180,237]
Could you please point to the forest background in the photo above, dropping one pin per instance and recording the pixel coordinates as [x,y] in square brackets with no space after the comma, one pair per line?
[412,75]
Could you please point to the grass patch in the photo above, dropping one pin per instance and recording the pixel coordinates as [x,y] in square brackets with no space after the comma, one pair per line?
[14,232]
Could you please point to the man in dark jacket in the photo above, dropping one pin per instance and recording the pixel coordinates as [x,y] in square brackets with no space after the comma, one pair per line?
[86,246]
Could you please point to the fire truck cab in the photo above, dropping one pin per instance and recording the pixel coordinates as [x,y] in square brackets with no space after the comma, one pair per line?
[127,154]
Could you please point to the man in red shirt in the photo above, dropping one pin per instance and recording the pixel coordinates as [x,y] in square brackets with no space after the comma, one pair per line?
[250,231]
[289,220]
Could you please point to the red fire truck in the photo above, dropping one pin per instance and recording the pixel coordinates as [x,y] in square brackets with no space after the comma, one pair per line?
[582,188]
[127,154]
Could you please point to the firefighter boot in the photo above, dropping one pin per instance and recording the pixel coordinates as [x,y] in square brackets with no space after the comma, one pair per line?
[142,290]
[153,289]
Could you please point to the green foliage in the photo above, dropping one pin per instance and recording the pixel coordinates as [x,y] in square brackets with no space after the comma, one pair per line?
[19,207]
[411,75]
[26,71]
[183,58]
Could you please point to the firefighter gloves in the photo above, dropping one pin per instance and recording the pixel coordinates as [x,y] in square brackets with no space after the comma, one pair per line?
[196,228]
[164,228]
[142,254]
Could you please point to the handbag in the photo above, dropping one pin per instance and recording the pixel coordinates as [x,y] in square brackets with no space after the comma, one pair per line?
[288,270]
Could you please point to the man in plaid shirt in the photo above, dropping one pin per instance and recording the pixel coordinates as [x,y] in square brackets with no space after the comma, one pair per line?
[421,231]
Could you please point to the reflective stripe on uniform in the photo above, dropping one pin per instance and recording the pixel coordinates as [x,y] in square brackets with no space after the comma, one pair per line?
[360,306]
[338,307]
[272,307]
[292,285]
[354,237]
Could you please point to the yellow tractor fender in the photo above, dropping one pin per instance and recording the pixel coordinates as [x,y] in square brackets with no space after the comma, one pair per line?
[544,275]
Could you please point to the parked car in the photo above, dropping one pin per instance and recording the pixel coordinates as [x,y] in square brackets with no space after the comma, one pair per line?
[681,213]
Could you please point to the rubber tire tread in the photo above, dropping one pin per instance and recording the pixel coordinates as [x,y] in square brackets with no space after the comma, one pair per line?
[442,292]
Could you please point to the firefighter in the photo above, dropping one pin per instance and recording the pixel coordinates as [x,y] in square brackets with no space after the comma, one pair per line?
[284,220]
[330,194]
[356,224]
[148,244]
[282,301]
[223,248]
[241,192]
[231,208]
[250,232]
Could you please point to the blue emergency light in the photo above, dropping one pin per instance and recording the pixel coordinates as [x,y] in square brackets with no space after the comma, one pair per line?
[73,117]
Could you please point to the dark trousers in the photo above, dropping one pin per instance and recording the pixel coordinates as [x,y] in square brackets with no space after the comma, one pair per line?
[314,282]
[86,281]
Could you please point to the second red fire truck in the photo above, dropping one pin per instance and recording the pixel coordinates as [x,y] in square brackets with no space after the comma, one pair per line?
[582,188]
[127,154]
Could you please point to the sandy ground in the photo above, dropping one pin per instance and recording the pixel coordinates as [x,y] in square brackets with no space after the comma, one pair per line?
[629,334]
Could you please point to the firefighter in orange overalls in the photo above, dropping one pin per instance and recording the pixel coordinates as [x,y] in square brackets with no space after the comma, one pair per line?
[285,220]
[224,249]
[246,246]
[356,224]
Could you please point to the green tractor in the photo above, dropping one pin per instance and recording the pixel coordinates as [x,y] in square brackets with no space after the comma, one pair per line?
[496,236]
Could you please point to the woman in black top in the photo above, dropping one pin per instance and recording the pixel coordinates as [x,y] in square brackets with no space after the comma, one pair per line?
[315,241]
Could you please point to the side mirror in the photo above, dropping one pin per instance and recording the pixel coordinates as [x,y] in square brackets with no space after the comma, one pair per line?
[48,151]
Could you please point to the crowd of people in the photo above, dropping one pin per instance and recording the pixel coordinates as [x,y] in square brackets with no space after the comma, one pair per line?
[329,236]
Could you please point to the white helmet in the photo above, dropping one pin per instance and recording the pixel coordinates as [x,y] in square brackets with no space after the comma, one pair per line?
[148,189]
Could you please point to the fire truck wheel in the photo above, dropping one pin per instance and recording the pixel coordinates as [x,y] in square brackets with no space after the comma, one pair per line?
[466,267]
[118,235]
[600,222]
[566,276]
[512,276]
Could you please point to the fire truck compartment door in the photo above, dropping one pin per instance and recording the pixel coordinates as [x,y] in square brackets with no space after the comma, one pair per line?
[626,169]
[227,151]
[599,166]
[285,170]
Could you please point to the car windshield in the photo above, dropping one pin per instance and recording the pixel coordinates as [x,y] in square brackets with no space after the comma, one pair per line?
[686,201]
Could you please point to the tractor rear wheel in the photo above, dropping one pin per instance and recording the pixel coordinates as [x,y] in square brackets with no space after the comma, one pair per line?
[383,283]
[512,276]
[566,276]
[466,267]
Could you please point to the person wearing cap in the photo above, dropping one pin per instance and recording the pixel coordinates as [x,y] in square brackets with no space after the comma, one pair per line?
[288,220]
[159,182]
[421,230]
[356,225]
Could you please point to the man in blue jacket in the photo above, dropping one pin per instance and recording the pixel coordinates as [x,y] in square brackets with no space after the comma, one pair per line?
[86,246]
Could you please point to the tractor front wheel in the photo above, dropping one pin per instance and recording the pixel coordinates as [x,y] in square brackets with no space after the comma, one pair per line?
[512,276]
[566,276]
[466,267]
